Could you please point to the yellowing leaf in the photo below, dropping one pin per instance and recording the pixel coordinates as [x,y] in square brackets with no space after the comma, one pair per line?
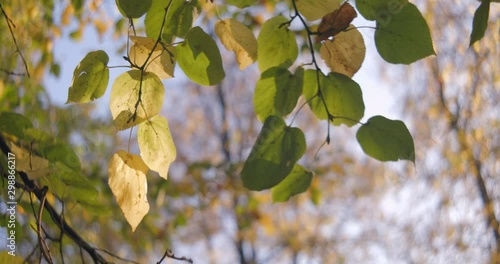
[238,38]
[127,180]
[156,145]
[31,164]
[161,61]
[124,98]
[345,53]
[316,9]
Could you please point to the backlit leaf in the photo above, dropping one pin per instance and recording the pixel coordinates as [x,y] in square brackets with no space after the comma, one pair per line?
[341,94]
[386,140]
[277,149]
[156,145]
[380,10]
[154,18]
[127,180]
[90,78]
[133,8]
[296,182]
[316,9]
[276,44]
[200,59]
[179,19]
[406,38]
[277,92]
[125,95]
[345,53]
[161,62]
[238,38]
[336,21]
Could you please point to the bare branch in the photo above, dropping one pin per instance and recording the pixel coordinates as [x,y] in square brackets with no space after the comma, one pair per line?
[44,248]
[170,254]
[11,25]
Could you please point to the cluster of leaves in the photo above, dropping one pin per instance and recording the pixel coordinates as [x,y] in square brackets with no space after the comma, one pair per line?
[48,161]
[401,36]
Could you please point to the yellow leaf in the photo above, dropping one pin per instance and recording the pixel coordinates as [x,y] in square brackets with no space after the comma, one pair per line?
[161,61]
[126,109]
[30,163]
[127,180]
[238,38]
[156,145]
[345,53]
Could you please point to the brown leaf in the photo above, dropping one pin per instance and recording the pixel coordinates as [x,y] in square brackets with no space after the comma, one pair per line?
[336,21]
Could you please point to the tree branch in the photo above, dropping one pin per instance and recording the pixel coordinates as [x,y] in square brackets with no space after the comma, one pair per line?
[474,164]
[61,223]
[170,254]
[10,24]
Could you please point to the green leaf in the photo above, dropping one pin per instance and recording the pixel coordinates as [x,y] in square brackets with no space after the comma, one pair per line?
[64,154]
[154,18]
[277,149]
[78,4]
[5,257]
[296,182]
[241,3]
[316,9]
[277,92]
[405,38]
[480,22]
[133,8]
[125,96]
[14,124]
[179,19]
[200,59]
[70,185]
[386,140]
[90,78]
[380,10]
[156,145]
[342,96]
[277,45]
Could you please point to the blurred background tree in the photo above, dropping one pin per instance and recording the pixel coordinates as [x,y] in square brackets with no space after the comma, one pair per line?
[442,210]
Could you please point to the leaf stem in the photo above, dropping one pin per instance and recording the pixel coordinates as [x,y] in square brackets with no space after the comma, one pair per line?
[315,63]
[158,40]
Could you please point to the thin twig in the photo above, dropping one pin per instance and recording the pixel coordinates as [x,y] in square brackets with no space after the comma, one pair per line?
[12,73]
[44,248]
[318,70]
[61,223]
[10,24]
[170,254]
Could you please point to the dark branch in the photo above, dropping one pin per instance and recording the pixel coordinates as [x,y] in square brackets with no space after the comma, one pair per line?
[61,223]
[170,254]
